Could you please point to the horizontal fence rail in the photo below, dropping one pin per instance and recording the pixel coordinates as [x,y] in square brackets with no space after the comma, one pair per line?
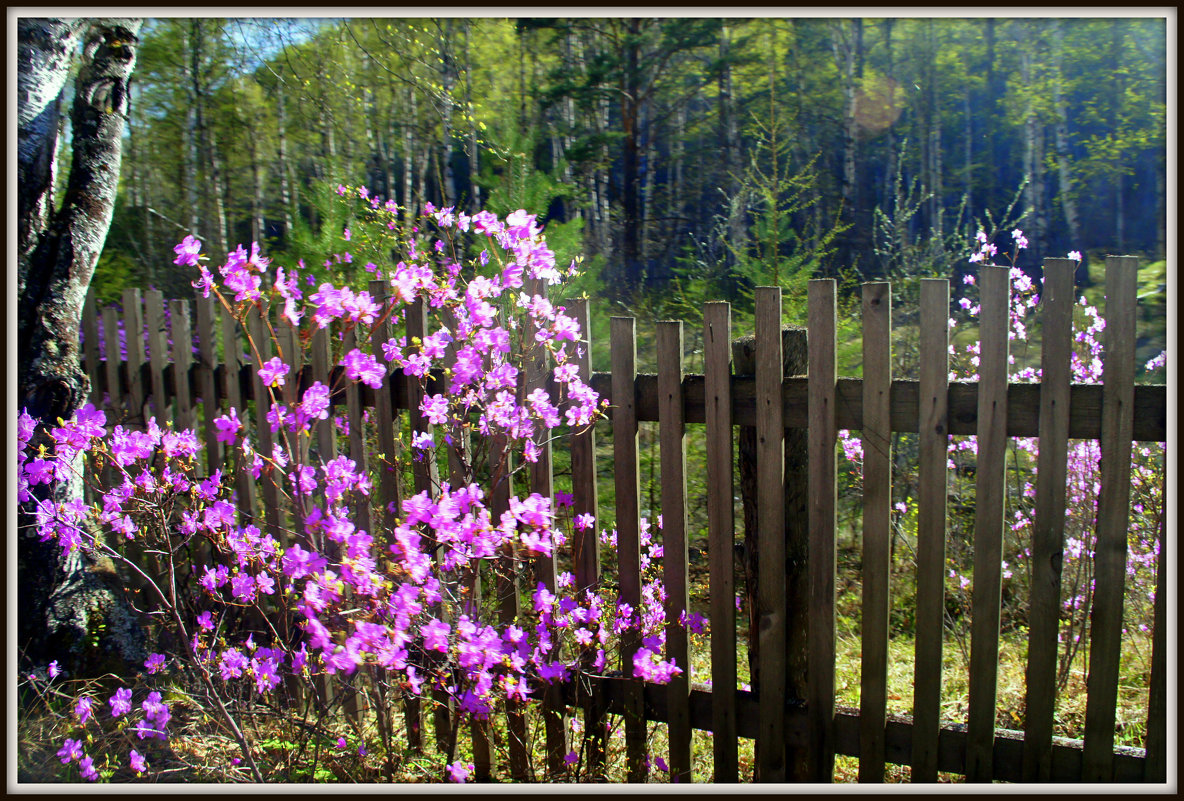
[777,403]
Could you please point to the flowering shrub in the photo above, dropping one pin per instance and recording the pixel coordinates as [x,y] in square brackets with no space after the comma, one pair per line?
[269,615]
[1148,461]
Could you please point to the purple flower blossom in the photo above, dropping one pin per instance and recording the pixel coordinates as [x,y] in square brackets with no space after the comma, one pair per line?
[154,663]
[272,372]
[83,709]
[121,702]
[460,772]
[361,366]
[137,762]
[188,252]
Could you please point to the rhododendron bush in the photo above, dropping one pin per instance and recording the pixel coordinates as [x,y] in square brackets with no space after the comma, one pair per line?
[250,618]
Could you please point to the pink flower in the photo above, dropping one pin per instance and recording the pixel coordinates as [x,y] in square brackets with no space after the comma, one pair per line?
[360,366]
[82,709]
[273,371]
[460,772]
[188,252]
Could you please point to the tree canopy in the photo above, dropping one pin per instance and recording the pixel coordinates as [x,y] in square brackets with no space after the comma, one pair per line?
[673,153]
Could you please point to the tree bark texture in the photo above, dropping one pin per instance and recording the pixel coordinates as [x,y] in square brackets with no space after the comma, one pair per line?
[64,603]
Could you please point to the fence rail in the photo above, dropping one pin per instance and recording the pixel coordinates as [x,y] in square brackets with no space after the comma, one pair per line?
[794,720]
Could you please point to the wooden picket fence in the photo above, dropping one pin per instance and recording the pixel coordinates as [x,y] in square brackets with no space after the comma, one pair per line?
[753,396]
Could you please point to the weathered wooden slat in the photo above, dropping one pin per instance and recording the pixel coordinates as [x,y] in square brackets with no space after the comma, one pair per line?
[133,324]
[933,423]
[384,413]
[585,498]
[360,507]
[877,526]
[182,335]
[951,741]
[989,496]
[112,362]
[425,471]
[233,345]
[585,501]
[770,600]
[623,349]
[1048,530]
[90,348]
[501,465]
[672,450]
[1156,741]
[542,481]
[260,352]
[1105,647]
[207,361]
[1023,405]
[717,369]
[820,701]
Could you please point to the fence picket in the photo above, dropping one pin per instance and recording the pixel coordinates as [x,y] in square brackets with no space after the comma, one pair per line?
[360,508]
[1155,768]
[717,370]
[388,480]
[509,599]
[1048,530]
[820,703]
[182,360]
[90,348]
[585,501]
[232,350]
[933,425]
[989,496]
[538,376]
[326,441]
[877,527]
[770,600]
[111,365]
[260,333]
[1105,648]
[673,455]
[623,349]
[384,413]
[207,360]
[133,324]
[425,478]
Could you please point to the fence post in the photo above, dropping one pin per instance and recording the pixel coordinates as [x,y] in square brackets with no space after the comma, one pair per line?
[794,342]
[133,316]
[587,542]
[111,346]
[989,496]
[182,358]
[673,454]
[1048,530]
[721,524]
[623,347]
[934,427]
[1110,546]
[877,527]
[820,696]
[90,346]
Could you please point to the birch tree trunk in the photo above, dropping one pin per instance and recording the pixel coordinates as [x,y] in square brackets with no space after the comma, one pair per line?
[62,600]
[284,165]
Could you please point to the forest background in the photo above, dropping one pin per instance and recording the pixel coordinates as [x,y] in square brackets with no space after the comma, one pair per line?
[683,159]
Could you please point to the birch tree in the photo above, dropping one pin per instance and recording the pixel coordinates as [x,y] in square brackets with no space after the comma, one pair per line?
[63,601]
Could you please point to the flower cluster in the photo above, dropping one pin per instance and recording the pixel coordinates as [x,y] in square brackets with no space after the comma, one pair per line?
[394,596]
